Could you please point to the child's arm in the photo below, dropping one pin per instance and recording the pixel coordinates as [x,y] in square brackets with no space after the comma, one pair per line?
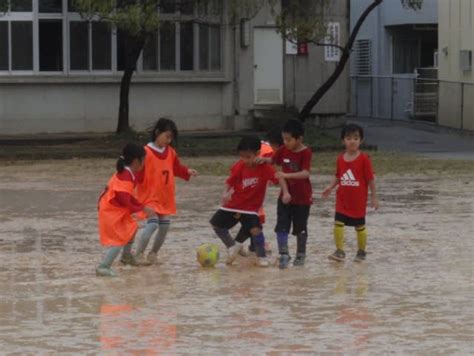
[286,196]
[182,171]
[304,174]
[327,191]
[227,194]
[263,160]
[374,201]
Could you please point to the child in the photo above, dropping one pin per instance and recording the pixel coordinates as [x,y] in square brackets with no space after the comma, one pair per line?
[117,228]
[354,175]
[242,199]
[156,185]
[267,150]
[295,159]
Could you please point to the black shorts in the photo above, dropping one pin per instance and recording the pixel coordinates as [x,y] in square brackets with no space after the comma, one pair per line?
[348,221]
[296,215]
[228,219]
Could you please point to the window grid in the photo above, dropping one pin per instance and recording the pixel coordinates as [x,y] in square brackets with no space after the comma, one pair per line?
[66,18]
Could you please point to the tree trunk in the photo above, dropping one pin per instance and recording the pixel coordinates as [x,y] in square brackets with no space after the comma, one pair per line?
[134,46]
[317,96]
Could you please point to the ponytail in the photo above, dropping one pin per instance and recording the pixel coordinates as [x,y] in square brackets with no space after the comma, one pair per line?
[129,153]
[120,164]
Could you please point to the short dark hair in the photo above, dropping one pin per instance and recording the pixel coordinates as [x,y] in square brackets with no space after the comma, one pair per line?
[294,127]
[162,125]
[249,143]
[348,129]
[274,136]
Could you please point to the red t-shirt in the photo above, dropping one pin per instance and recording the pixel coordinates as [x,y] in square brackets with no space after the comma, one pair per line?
[250,186]
[354,178]
[293,162]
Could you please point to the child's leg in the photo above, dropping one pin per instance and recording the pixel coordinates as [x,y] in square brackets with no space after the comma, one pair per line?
[300,228]
[164,224]
[110,256]
[221,222]
[282,227]
[361,237]
[146,234]
[339,235]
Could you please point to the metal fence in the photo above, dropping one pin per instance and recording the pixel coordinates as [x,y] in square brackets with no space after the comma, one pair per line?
[408,98]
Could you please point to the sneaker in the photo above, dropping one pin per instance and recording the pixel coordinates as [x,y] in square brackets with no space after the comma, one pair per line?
[128,260]
[338,255]
[105,272]
[299,260]
[142,261]
[233,252]
[360,256]
[263,262]
[284,261]
[152,258]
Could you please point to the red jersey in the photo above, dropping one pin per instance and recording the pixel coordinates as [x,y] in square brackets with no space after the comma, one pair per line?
[293,162]
[354,178]
[249,185]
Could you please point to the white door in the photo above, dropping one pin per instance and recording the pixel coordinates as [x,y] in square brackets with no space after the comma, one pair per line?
[268,67]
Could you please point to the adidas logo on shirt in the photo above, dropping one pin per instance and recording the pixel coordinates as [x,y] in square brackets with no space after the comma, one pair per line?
[348,179]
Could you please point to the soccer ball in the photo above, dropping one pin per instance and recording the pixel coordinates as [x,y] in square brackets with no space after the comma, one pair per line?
[207,255]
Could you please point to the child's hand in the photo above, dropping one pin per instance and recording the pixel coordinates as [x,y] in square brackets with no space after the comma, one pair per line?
[280,175]
[374,202]
[148,211]
[192,172]
[262,160]
[326,192]
[286,198]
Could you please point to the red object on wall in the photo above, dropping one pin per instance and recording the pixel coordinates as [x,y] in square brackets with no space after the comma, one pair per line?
[303,49]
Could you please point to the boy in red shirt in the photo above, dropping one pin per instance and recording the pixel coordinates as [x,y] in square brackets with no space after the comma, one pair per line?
[354,176]
[242,199]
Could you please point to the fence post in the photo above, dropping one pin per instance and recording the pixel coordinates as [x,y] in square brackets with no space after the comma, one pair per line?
[391,98]
[462,106]
[414,99]
[356,96]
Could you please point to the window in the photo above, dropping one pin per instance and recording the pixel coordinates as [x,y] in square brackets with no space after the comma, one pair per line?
[168,46]
[50,45]
[21,6]
[4,45]
[22,45]
[405,54]
[150,53]
[209,47]
[187,46]
[101,46]
[363,63]
[50,6]
[79,45]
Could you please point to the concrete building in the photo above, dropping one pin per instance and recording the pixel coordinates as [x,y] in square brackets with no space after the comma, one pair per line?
[393,44]
[455,70]
[59,73]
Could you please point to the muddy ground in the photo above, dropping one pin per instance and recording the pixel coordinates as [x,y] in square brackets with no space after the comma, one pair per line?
[413,295]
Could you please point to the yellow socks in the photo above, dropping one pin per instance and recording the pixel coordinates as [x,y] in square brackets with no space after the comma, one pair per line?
[339,235]
[361,237]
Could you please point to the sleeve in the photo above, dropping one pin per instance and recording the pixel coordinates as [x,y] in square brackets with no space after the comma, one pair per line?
[140,176]
[126,200]
[306,160]
[368,170]
[180,170]
[271,172]
[234,176]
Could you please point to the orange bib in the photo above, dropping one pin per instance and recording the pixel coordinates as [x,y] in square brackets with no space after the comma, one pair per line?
[158,188]
[116,225]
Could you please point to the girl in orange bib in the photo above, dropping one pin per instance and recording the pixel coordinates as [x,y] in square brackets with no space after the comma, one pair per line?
[156,183]
[117,227]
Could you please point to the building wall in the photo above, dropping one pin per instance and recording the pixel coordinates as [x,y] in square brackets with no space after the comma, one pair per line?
[456,33]
[305,74]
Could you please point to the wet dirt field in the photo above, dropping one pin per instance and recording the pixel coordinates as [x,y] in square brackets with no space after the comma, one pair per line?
[413,295]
